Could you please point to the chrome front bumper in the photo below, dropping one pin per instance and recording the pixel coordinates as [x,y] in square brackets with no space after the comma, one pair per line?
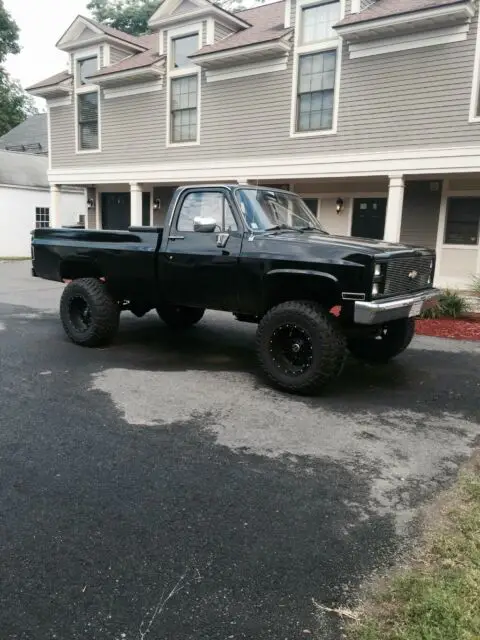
[380,311]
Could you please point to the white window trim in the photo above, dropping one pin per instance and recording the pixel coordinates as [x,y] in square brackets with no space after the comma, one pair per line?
[317,47]
[193,69]
[475,95]
[473,193]
[88,88]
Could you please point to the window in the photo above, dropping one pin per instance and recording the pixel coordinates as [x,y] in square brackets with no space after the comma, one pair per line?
[182,48]
[42,217]
[184,109]
[87,101]
[312,204]
[85,68]
[88,120]
[206,204]
[316,68]
[463,221]
[317,22]
[316,84]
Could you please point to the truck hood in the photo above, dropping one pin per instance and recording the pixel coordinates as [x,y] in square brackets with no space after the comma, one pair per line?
[351,245]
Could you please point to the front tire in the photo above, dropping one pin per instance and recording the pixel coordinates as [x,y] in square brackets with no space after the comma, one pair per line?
[299,347]
[393,338]
[178,317]
[89,314]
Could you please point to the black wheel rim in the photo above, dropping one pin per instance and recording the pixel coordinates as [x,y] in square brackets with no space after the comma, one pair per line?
[80,314]
[291,349]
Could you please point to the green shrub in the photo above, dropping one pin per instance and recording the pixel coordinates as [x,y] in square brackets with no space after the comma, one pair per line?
[450,305]
[476,285]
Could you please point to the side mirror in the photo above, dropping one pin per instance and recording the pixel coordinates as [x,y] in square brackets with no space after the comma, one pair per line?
[204,225]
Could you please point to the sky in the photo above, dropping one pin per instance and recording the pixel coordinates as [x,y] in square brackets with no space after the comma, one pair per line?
[41,23]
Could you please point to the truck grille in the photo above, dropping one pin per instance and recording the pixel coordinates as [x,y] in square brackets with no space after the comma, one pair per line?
[410,273]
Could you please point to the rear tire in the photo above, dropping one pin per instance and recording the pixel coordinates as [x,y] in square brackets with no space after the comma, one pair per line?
[394,338]
[178,317]
[300,347]
[89,314]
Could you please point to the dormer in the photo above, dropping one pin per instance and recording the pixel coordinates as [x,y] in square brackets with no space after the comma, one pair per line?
[85,33]
[177,13]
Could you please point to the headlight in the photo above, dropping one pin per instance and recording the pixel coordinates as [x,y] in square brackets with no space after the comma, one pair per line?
[375,289]
[378,270]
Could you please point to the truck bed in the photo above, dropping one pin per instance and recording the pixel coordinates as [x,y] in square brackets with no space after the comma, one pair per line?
[127,256]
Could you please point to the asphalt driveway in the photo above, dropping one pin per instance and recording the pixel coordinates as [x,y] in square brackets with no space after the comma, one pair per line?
[158,489]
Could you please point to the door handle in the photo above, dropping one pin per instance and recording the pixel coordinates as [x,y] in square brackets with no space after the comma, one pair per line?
[222,239]
[176,237]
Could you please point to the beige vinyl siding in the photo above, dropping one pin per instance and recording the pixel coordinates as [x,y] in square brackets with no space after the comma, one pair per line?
[403,100]
[86,35]
[116,55]
[221,31]
[458,263]
[338,224]
[421,211]
[185,7]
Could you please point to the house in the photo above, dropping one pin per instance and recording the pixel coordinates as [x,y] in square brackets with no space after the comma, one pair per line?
[25,200]
[30,136]
[369,110]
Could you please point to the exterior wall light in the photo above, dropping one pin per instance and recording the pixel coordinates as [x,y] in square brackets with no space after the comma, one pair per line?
[339,205]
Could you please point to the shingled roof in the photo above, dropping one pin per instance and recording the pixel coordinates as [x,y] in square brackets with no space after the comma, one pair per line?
[51,81]
[388,8]
[30,136]
[267,24]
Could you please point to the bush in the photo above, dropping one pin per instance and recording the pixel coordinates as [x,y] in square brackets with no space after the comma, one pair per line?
[450,305]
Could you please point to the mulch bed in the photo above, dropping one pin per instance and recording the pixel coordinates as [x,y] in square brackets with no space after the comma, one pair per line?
[459,329]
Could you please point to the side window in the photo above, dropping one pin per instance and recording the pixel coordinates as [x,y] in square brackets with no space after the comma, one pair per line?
[206,204]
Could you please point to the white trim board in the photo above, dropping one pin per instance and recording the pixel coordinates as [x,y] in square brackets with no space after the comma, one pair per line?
[474,97]
[144,87]
[289,168]
[407,42]
[246,70]
[460,10]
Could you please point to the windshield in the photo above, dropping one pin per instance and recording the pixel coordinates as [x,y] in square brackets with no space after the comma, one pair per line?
[265,209]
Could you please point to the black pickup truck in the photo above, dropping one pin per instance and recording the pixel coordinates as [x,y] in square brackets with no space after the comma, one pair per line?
[259,253]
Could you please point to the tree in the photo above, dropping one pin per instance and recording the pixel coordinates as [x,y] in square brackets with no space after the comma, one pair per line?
[15,104]
[131,16]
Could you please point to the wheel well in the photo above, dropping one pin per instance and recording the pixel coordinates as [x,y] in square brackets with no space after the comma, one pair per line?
[299,287]
[73,269]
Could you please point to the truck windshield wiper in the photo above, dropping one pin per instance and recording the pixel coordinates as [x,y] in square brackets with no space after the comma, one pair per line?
[280,227]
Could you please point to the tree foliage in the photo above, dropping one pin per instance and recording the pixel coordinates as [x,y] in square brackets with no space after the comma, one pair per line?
[15,104]
[132,16]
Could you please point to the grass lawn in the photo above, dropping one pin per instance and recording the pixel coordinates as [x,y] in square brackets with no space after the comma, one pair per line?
[438,596]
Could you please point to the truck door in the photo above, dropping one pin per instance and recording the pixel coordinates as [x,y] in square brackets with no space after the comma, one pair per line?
[203,249]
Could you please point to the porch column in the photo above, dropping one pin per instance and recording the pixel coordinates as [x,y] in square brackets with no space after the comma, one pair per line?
[393,219]
[135,204]
[55,212]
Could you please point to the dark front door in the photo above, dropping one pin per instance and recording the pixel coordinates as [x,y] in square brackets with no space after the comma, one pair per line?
[115,211]
[145,209]
[199,272]
[369,217]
